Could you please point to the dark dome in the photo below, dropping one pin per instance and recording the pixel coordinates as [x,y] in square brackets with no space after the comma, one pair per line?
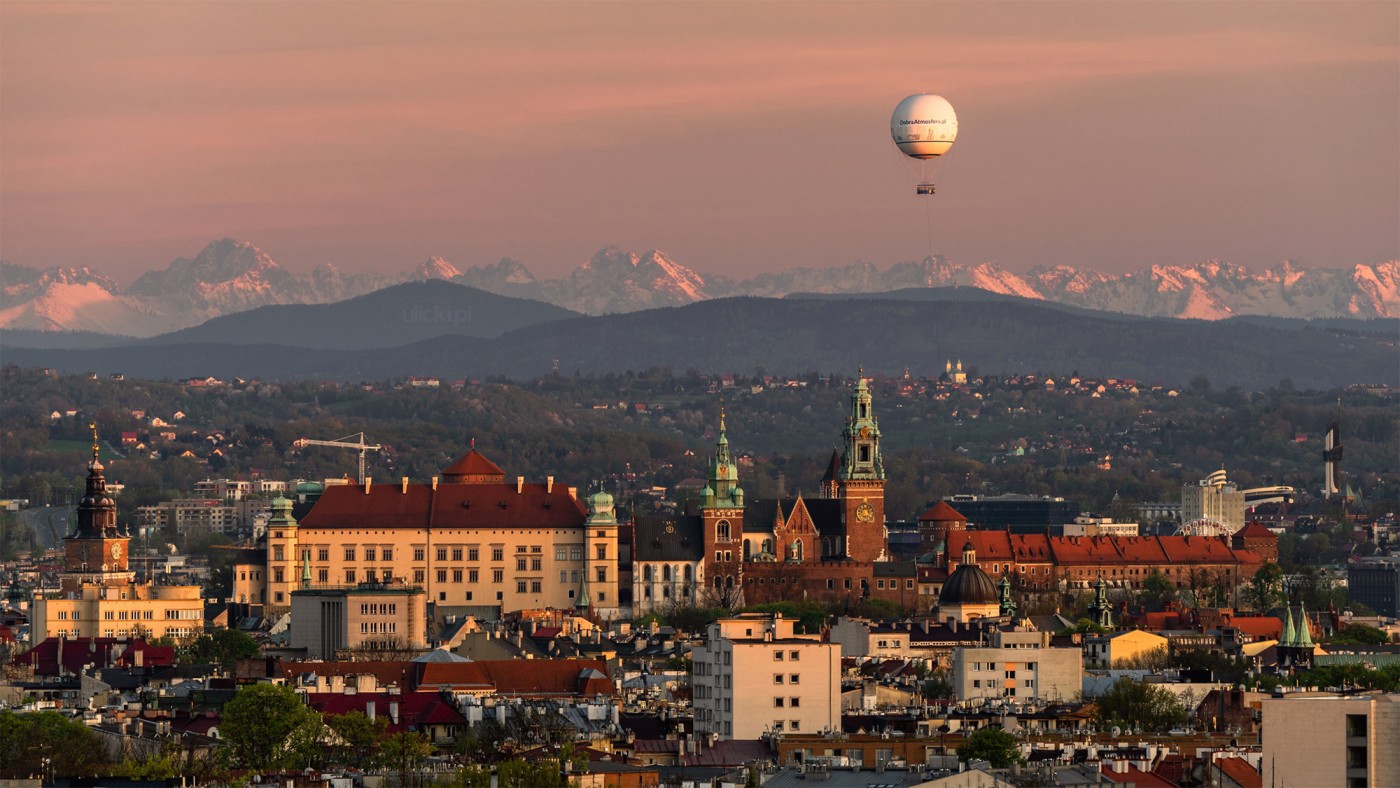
[968,585]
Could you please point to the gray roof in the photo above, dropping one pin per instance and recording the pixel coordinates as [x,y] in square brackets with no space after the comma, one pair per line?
[440,655]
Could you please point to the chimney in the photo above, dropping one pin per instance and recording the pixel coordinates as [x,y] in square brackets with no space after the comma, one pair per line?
[368,482]
[519,484]
[549,484]
[435,483]
[404,489]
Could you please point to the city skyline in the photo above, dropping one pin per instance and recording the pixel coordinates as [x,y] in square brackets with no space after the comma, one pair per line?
[374,136]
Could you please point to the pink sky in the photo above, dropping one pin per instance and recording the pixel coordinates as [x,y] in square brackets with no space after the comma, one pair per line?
[737,138]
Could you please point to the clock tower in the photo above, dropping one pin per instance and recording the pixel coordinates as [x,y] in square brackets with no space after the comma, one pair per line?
[860,480]
[722,521]
[96,552]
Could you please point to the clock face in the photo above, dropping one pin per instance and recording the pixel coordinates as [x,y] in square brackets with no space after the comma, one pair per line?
[865,513]
[116,551]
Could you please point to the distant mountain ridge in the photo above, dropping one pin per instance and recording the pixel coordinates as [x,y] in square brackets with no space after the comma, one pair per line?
[231,276]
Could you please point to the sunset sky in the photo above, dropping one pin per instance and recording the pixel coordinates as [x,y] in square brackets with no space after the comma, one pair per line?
[735,137]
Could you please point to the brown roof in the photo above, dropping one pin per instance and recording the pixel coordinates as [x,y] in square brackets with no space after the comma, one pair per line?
[1255,530]
[941,512]
[522,677]
[472,464]
[1239,770]
[493,505]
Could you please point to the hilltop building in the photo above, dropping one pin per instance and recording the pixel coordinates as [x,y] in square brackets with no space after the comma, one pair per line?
[98,595]
[473,542]
[727,549]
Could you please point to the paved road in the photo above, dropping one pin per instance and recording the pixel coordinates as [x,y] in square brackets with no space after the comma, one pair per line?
[49,522]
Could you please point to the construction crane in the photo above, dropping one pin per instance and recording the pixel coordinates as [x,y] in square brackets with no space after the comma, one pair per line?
[344,443]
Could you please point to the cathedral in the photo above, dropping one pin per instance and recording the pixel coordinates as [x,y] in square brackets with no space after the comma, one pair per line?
[727,550]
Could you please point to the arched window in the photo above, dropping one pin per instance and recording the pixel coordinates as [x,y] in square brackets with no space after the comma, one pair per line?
[729,581]
[722,531]
[665,574]
[826,546]
[646,573]
[796,552]
[768,545]
[746,550]
[719,582]
[688,576]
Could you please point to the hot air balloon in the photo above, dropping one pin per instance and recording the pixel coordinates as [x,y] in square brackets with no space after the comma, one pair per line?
[924,127]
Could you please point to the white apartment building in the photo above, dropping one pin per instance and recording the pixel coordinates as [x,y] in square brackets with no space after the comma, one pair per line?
[1213,498]
[1018,665]
[755,674]
[1325,739]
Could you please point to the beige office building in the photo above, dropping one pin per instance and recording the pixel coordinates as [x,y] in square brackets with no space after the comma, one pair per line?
[1324,739]
[755,674]
[328,622]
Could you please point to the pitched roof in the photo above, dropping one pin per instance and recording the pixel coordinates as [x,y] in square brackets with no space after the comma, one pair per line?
[941,512]
[483,505]
[471,464]
[1137,777]
[1239,770]
[415,709]
[521,677]
[1255,530]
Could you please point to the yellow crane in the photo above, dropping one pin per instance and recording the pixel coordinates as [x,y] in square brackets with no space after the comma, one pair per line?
[344,443]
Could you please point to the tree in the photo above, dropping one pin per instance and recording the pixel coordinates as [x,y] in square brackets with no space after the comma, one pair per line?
[1360,633]
[993,745]
[268,728]
[530,774]
[481,743]
[42,742]
[358,737]
[224,647]
[1157,590]
[406,752]
[1137,704]
[1265,589]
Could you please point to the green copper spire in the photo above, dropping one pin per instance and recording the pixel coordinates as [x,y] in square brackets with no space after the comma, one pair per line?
[723,488]
[1289,635]
[862,438]
[306,569]
[1008,606]
[1303,631]
[1101,608]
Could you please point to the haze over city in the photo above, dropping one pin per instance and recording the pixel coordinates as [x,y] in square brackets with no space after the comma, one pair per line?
[737,138]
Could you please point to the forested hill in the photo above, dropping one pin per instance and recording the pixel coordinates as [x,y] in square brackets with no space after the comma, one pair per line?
[787,336]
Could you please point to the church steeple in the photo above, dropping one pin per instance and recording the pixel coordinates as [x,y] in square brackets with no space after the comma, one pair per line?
[97,512]
[723,488]
[862,438]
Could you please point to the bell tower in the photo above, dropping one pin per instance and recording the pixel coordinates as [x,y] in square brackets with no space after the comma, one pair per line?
[722,520]
[860,481]
[96,552]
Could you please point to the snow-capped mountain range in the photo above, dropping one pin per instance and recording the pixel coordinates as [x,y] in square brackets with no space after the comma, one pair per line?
[232,276]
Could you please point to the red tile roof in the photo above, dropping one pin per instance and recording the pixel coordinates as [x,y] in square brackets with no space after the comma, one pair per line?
[1255,530]
[492,505]
[415,709]
[1260,627]
[76,654]
[388,674]
[520,677]
[1239,770]
[941,512]
[472,464]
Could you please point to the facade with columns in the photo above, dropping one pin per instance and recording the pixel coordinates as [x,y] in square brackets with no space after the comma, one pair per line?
[98,595]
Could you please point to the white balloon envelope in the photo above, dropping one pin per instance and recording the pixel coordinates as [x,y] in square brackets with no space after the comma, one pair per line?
[924,126]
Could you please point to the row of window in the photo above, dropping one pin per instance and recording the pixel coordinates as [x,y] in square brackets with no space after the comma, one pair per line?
[792,678]
[378,627]
[454,553]
[380,609]
[791,702]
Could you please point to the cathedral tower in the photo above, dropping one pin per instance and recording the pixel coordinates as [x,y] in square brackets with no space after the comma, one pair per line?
[722,521]
[861,480]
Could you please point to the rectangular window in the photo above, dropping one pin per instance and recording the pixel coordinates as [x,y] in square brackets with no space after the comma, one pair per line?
[795,655]
[497,575]
[418,553]
[457,554]
[349,554]
[602,573]
[456,575]
[498,554]
[370,553]
[794,702]
[442,554]
[473,554]
[472,576]
[777,678]
[323,554]
[777,703]
[777,656]
[520,564]
[602,551]
[349,575]
[520,586]
[575,552]
[369,576]
[442,575]
[534,564]
[388,553]
[535,586]
[323,576]
[794,678]
[563,576]
[561,553]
